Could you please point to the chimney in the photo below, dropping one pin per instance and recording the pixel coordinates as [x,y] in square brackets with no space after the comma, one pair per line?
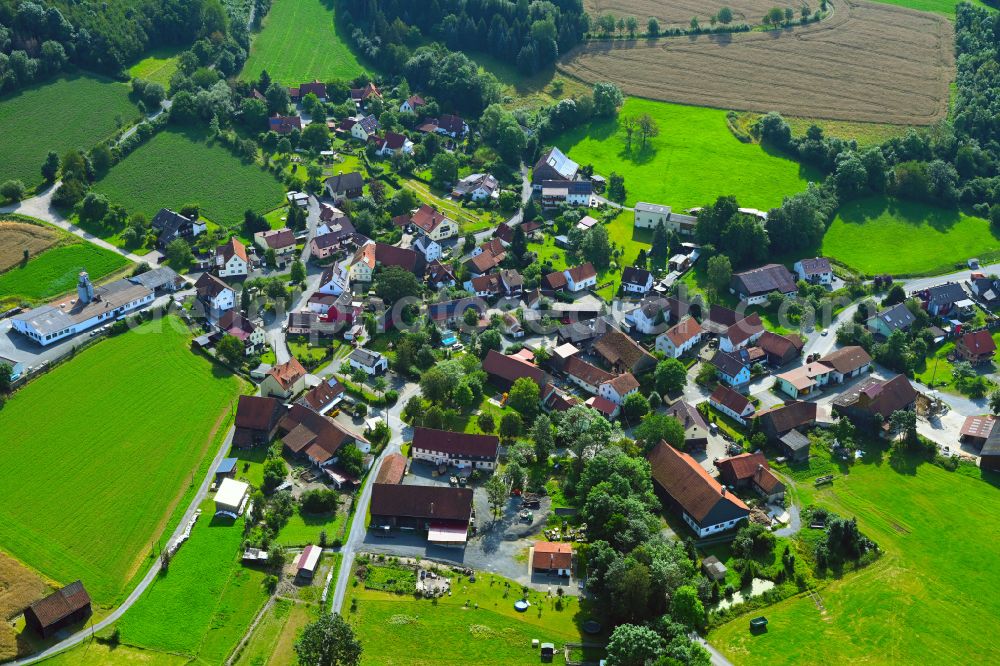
[723,491]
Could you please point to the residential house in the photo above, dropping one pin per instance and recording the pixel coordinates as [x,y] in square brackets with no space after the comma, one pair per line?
[603,406]
[231,259]
[282,241]
[487,256]
[803,380]
[17,368]
[586,376]
[485,286]
[439,275]
[390,255]
[847,363]
[505,369]
[894,318]
[941,299]
[250,333]
[751,470]
[345,186]
[313,87]
[435,225]
[392,143]
[794,445]
[754,286]
[623,353]
[743,333]
[365,128]
[814,271]
[256,420]
[680,338]
[284,380]
[513,282]
[552,558]
[169,226]
[618,388]
[452,312]
[63,608]
[977,347]
[876,399]
[650,216]
[688,490]
[446,124]
[361,95]
[440,512]
[732,404]
[780,350]
[334,280]
[556,193]
[477,187]
[581,277]
[505,232]
[719,320]
[457,449]
[654,314]
[215,293]
[370,362]
[553,166]
[411,104]
[986,289]
[284,124]
[425,246]
[779,421]
[511,325]
[636,280]
[317,438]
[337,235]
[310,323]
[731,369]
[695,427]
[362,265]
[323,397]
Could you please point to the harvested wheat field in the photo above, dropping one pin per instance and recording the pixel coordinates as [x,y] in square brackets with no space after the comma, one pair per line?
[19,588]
[672,13]
[867,62]
[16,237]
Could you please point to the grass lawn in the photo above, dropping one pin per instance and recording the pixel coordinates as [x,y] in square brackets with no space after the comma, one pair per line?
[99,423]
[936,369]
[538,89]
[75,111]
[933,525]
[55,271]
[400,629]
[158,66]
[885,235]
[302,530]
[468,219]
[695,160]
[299,43]
[206,600]
[176,168]
[92,653]
[274,637]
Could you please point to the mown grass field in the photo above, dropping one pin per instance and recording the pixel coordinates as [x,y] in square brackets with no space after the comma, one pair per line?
[99,453]
[884,235]
[923,602]
[177,168]
[206,600]
[946,7]
[74,111]
[694,160]
[158,66]
[273,639]
[303,530]
[55,271]
[399,629]
[92,653]
[299,43]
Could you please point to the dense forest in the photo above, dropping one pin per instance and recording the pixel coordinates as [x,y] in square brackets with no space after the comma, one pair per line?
[531,34]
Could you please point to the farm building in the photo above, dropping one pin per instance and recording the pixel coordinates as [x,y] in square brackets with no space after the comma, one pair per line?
[305,566]
[393,469]
[316,437]
[506,369]
[554,558]
[231,497]
[458,449]
[256,420]
[226,469]
[59,610]
[441,512]
[751,470]
[553,165]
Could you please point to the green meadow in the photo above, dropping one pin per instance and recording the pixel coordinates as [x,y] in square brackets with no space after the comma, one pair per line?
[55,271]
[158,66]
[100,452]
[885,235]
[72,111]
[177,168]
[946,7]
[926,600]
[299,42]
[693,161]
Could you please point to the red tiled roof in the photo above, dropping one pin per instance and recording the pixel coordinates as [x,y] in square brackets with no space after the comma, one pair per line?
[455,443]
[428,219]
[847,359]
[741,467]
[582,272]
[512,368]
[552,555]
[603,405]
[688,483]
[392,470]
[556,280]
[624,383]
[979,342]
[257,413]
[232,247]
[288,373]
[590,374]
[685,330]
[727,397]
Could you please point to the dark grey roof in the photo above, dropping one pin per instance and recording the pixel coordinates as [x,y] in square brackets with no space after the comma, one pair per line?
[815,266]
[795,440]
[156,278]
[897,318]
[992,445]
[345,182]
[369,124]
[765,279]
[167,221]
[644,207]
[945,294]
[728,363]
[365,357]
[633,275]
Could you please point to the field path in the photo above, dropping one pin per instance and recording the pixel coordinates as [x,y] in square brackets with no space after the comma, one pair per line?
[40,207]
[150,576]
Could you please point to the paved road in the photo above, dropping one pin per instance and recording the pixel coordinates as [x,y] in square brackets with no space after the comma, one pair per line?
[717,658]
[150,576]
[357,533]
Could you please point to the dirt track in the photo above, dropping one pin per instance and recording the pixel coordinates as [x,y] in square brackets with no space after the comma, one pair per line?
[679,12]
[868,62]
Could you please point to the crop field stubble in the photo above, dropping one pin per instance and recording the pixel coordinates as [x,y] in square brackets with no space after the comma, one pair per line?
[866,62]
[678,13]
